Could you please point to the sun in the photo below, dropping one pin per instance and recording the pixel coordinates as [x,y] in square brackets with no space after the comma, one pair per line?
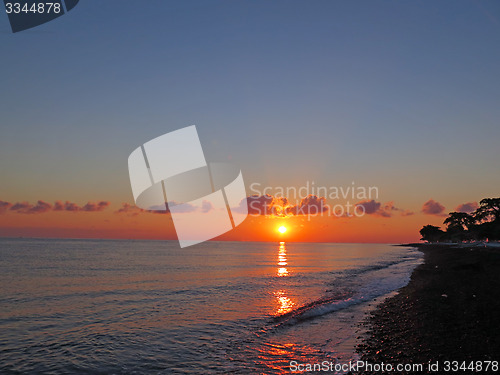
[282,229]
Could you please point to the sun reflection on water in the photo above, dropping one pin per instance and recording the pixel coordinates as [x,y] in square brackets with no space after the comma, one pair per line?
[275,356]
[284,303]
[282,261]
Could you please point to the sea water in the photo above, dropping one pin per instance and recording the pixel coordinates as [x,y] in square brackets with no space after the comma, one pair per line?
[150,307]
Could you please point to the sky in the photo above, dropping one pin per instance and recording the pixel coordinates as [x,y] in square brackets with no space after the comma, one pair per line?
[400,95]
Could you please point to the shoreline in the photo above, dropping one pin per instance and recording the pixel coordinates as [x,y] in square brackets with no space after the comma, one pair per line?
[449,311]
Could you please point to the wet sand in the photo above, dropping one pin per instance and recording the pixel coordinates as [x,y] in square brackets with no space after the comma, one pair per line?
[449,311]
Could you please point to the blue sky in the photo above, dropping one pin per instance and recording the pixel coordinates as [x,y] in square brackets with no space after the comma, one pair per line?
[399,94]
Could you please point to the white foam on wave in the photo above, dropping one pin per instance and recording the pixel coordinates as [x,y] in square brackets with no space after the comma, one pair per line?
[374,283]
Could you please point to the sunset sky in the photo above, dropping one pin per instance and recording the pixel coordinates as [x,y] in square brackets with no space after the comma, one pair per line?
[400,95]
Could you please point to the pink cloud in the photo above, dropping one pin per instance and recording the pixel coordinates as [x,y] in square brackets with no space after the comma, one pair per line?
[310,205]
[206,206]
[21,207]
[4,206]
[94,207]
[467,207]
[431,207]
[129,209]
[28,208]
[372,207]
[42,207]
[259,204]
[269,205]
[67,206]
[184,207]
[132,210]
[407,213]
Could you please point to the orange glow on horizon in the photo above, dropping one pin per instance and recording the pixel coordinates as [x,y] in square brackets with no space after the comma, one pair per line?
[109,224]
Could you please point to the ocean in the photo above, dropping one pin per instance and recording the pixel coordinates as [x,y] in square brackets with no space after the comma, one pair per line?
[149,307]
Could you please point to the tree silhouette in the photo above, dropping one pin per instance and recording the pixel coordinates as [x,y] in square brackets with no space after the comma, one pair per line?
[459,220]
[482,224]
[488,210]
[458,225]
[431,233]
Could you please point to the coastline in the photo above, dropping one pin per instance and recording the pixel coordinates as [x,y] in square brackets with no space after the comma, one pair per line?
[449,311]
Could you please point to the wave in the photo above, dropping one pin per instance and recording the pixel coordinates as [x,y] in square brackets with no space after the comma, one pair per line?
[377,266]
[378,281]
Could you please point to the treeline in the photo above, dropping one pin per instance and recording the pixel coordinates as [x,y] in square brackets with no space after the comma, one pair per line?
[481,225]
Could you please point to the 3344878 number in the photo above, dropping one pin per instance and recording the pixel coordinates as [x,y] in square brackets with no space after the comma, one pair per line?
[473,366]
[34,8]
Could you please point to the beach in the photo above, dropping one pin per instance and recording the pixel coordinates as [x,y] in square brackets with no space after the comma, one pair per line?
[449,311]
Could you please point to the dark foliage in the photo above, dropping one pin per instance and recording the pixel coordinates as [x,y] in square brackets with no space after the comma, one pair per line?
[483,224]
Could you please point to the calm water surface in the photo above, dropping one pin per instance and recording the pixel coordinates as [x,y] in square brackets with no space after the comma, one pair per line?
[149,307]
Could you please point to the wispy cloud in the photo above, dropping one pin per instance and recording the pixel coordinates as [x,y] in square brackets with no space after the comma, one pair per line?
[129,209]
[4,206]
[42,207]
[132,210]
[268,205]
[94,207]
[27,208]
[387,209]
[407,213]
